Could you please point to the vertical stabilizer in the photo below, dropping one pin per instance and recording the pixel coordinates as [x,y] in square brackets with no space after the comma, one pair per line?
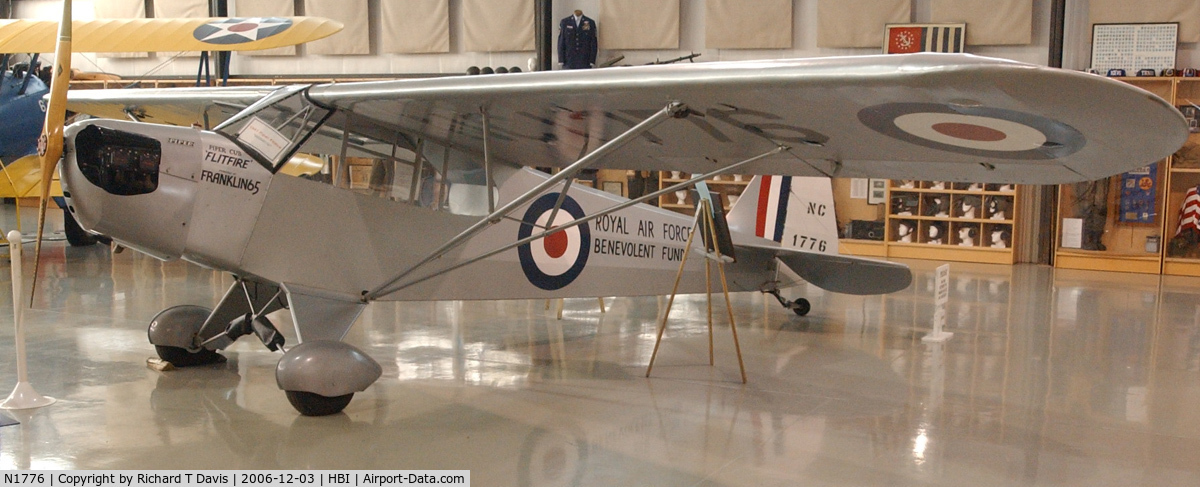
[794,211]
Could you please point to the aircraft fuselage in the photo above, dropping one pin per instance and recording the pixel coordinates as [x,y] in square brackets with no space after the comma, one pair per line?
[176,192]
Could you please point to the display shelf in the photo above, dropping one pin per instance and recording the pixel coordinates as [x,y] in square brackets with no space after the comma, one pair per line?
[1129,222]
[953,219]
[948,252]
[729,185]
[963,222]
[931,220]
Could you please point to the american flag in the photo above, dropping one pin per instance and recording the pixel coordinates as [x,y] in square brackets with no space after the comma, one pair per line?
[909,39]
[1189,213]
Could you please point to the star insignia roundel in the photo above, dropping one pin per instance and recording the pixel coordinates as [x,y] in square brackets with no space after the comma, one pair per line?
[240,30]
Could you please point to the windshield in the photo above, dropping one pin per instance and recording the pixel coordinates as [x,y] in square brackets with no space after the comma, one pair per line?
[272,128]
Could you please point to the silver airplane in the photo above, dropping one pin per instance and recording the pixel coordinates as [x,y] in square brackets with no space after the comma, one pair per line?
[478,223]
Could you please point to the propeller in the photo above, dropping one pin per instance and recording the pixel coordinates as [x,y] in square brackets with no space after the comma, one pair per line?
[50,144]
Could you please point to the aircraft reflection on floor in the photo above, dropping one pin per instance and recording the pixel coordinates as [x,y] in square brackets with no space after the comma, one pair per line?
[1051,377]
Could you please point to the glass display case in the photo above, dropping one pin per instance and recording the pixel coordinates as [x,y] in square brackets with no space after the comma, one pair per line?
[1114,223]
[1146,220]
[1181,231]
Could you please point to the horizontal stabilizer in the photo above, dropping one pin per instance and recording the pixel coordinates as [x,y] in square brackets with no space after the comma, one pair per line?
[840,273]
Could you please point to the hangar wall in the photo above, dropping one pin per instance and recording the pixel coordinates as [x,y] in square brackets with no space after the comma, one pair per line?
[691,39]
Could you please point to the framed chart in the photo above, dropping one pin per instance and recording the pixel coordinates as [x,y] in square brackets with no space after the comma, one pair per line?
[1134,46]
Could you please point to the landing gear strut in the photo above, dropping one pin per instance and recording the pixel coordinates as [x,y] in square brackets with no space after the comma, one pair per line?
[319,376]
[800,306]
[189,335]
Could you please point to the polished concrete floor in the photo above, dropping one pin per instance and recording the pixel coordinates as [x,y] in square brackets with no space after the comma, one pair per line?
[1051,378]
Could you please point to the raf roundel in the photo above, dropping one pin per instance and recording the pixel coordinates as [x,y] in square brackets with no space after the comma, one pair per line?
[554,261]
[979,131]
[240,31]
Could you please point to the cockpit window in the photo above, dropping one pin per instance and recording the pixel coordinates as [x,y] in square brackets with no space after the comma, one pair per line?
[118,162]
[275,126]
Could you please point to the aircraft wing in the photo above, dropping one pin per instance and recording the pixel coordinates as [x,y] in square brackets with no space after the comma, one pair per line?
[177,106]
[840,273]
[921,116]
[147,35]
[20,179]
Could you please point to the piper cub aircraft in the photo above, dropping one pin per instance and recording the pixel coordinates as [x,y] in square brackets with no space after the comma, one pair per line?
[478,223]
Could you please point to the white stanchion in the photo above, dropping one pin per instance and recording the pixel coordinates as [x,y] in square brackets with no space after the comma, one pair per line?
[23,396]
[939,314]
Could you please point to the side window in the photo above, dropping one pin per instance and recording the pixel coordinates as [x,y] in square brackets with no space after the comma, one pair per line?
[275,126]
[118,162]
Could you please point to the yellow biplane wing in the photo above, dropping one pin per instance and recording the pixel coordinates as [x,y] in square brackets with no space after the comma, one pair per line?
[148,35]
[20,179]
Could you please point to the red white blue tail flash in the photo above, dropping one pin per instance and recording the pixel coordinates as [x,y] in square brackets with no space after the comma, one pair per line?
[773,207]
[796,212]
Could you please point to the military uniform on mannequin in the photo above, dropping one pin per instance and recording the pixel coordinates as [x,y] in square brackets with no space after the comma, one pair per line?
[577,41]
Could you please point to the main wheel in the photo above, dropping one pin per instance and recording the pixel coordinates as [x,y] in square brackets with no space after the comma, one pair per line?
[180,357]
[311,404]
[801,307]
[175,328]
[76,235]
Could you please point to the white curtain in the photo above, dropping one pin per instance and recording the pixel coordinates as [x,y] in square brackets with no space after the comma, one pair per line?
[120,9]
[858,23]
[638,24]
[180,9]
[1186,12]
[748,24]
[415,26]
[355,37]
[989,22]
[497,25]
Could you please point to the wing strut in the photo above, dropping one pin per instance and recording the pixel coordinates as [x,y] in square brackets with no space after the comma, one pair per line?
[389,288]
[444,194]
[672,110]
[418,168]
[340,181]
[487,159]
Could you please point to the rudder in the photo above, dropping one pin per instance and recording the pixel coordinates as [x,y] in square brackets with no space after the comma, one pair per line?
[797,212]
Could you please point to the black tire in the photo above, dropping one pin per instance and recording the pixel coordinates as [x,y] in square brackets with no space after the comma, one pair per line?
[801,307]
[311,404]
[180,357]
[76,235]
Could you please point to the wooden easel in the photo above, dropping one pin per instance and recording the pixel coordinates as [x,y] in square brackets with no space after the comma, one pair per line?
[703,211]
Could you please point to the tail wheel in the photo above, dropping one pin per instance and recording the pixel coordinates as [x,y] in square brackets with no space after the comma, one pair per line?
[312,404]
[801,307]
